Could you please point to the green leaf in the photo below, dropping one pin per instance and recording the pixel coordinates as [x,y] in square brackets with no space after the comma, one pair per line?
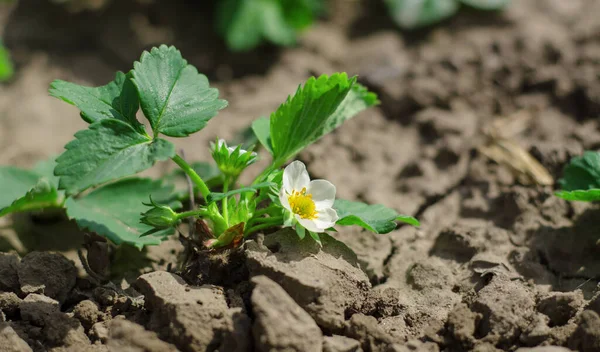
[216,196]
[246,23]
[113,211]
[376,218]
[116,100]
[308,115]
[486,4]
[6,66]
[262,131]
[582,172]
[42,195]
[588,195]
[45,169]
[175,98]
[411,14]
[108,150]
[15,183]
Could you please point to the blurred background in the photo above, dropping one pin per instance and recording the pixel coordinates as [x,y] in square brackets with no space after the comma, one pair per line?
[444,73]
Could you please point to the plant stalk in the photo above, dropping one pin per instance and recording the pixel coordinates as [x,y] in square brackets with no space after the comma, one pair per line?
[193,175]
[225,210]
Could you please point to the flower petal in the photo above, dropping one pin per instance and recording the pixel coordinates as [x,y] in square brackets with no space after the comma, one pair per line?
[323,193]
[310,225]
[326,218]
[283,198]
[295,177]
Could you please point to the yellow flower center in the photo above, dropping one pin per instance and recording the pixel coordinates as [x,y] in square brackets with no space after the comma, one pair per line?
[302,204]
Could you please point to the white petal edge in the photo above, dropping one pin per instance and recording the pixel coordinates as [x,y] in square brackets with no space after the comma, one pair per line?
[295,177]
[326,218]
[310,225]
[323,193]
[283,198]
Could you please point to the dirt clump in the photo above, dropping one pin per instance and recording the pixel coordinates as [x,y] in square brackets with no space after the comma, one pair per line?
[9,278]
[279,323]
[48,273]
[128,336]
[323,281]
[192,318]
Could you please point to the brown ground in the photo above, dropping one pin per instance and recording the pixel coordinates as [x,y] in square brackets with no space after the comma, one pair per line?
[497,264]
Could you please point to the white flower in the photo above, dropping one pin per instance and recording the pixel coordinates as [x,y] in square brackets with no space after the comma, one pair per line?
[309,201]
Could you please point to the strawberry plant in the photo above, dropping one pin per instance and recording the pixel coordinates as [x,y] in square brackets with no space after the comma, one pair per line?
[581,178]
[411,14]
[6,67]
[244,24]
[92,180]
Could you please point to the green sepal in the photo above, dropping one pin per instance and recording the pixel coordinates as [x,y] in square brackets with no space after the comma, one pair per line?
[113,211]
[175,98]
[587,195]
[159,216]
[315,236]
[300,231]
[376,218]
[231,160]
[108,150]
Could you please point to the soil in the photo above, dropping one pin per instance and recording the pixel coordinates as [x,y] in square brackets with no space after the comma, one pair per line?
[499,262]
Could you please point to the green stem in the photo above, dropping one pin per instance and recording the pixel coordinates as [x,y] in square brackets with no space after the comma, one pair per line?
[193,175]
[256,228]
[264,174]
[225,210]
[263,211]
[274,220]
[187,214]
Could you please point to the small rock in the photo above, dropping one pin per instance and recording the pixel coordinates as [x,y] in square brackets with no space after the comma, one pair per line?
[429,274]
[105,296]
[88,313]
[62,330]
[10,341]
[594,303]
[58,328]
[587,336]
[462,323]
[99,331]
[131,337]
[191,317]
[48,273]
[337,343]
[366,330]
[9,279]
[37,309]
[560,306]
[9,303]
[280,324]
[325,281]
[415,345]
[544,349]
[507,308]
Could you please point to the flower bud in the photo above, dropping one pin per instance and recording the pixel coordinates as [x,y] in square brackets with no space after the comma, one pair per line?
[231,160]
